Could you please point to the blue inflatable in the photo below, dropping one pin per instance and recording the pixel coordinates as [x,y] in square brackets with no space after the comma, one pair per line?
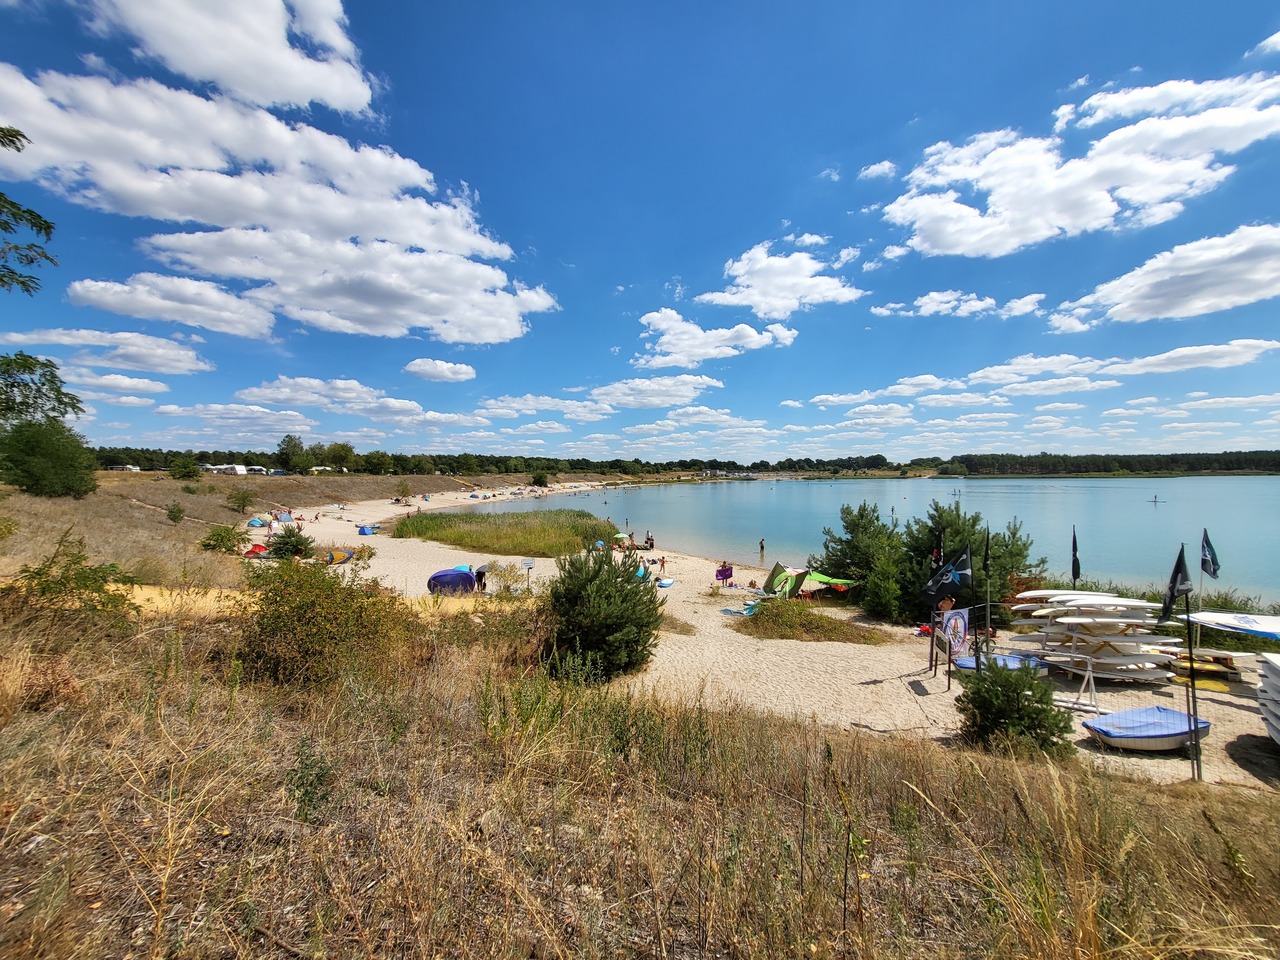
[451,581]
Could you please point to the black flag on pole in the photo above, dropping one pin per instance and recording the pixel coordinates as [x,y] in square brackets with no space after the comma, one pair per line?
[1208,556]
[1075,556]
[986,555]
[935,558]
[1179,585]
[950,578]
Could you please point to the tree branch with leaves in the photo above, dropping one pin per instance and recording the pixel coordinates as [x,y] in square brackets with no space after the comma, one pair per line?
[15,217]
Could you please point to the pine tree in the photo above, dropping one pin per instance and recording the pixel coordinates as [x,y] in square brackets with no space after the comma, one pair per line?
[607,613]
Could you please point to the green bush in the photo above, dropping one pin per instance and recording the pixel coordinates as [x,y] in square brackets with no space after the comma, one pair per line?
[505,579]
[225,539]
[606,617]
[239,499]
[46,458]
[310,624]
[1014,709]
[65,588]
[184,467]
[175,512]
[291,542]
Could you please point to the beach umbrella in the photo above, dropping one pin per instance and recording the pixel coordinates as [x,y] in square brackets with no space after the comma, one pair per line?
[620,536]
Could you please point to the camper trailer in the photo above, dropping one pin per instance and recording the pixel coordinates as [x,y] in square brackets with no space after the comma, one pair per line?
[256,471]
[231,469]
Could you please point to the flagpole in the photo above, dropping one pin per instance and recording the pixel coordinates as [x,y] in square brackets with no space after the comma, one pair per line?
[973,602]
[1199,603]
[986,577]
[1180,586]
[986,640]
[1193,718]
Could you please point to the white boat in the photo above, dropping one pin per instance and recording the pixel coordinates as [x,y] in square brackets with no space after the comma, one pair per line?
[1149,729]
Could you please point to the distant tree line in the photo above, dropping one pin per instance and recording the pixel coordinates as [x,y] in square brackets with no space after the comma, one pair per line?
[295,456]
[1057,464]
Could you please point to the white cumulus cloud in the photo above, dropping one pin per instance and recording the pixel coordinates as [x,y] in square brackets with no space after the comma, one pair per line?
[1000,191]
[441,370]
[1204,276]
[244,47]
[775,287]
[682,343]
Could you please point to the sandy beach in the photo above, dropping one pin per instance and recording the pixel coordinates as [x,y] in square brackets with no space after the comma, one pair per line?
[888,688]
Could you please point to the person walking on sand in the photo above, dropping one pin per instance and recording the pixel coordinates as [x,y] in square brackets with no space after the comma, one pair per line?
[662,565]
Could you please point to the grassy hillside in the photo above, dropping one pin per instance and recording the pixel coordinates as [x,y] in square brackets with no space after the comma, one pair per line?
[125,519]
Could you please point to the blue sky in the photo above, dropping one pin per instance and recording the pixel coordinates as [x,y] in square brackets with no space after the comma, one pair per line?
[662,231]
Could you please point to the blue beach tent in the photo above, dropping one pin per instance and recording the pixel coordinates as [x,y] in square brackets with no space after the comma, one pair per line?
[451,581]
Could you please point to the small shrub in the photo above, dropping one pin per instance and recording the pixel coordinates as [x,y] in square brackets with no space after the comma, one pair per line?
[779,619]
[65,588]
[149,568]
[291,542]
[190,488]
[310,781]
[607,618]
[1012,708]
[175,512]
[506,579]
[226,539]
[310,624]
[239,499]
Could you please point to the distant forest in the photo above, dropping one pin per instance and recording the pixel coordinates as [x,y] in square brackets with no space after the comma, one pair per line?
[293,456]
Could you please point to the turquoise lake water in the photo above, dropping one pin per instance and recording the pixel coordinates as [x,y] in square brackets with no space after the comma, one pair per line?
[1123,535]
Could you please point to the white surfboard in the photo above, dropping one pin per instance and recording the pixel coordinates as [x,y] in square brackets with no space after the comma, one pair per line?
[1040,594]
[1145,674]
[1108,661]
[1115,603]
[1105,621]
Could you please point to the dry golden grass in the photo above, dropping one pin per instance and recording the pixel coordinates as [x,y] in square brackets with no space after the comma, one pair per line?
[473,808]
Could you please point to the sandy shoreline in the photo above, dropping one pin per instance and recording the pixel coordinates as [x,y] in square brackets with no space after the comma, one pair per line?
[887,688]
